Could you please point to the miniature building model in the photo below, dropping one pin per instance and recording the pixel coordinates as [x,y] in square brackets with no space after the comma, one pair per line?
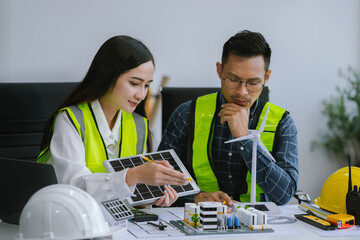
[215,216]
[194,219]
[186,211]
[209,214]
[253,218]
[221,213]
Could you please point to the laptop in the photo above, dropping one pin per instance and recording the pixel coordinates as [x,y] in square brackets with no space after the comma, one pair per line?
[19,181]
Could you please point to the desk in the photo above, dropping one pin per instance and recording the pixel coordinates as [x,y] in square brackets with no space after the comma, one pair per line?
[295,231]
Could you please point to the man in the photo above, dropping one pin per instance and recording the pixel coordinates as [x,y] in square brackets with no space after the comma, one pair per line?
[198,129]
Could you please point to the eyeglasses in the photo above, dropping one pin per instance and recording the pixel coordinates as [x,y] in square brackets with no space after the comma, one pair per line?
[252,86]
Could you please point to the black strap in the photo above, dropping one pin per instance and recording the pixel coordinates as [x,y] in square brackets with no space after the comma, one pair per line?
[121,135]
[211,134]
[97,127]
[277,133]
[191,129]
[257,113]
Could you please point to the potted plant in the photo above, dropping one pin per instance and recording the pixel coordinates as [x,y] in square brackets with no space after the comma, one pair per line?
[343,119]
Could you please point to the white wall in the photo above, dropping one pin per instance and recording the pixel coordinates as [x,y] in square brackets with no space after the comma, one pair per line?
[47,40]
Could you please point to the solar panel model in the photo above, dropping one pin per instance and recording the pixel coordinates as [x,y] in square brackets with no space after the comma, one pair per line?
[117,209]
[145,193]
[116,213]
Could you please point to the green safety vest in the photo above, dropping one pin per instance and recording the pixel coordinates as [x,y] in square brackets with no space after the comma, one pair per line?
[204,123]
[132,136]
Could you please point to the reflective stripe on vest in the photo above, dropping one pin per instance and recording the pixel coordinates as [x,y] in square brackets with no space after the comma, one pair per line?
[204,114]
[134,125]
[272,121]
[133,136]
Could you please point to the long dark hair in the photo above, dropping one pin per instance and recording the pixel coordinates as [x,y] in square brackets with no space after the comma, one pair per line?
[116,56]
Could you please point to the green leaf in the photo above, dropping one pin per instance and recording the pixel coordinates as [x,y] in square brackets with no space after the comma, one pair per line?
[342,113]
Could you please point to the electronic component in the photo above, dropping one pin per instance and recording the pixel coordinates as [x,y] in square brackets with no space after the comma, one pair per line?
[260,227]
[261,217]
[353,198]
[141,216]
[353,204]
[237,222]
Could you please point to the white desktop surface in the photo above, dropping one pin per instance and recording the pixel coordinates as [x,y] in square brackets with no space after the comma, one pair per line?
[294,231]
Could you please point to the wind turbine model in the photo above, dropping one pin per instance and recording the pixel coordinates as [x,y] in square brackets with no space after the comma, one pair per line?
[254,136]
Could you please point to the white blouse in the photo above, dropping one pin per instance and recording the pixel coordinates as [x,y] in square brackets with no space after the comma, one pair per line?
[68,157]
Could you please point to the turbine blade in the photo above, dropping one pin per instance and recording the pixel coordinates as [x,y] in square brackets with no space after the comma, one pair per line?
[240,139]
[262,126]
[266,150]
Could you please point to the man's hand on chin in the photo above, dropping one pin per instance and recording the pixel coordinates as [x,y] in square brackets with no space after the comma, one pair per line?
[237,118]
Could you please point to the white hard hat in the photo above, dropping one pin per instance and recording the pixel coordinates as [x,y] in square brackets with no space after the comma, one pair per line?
[62,211]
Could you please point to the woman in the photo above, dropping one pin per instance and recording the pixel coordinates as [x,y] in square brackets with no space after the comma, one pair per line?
[97,122]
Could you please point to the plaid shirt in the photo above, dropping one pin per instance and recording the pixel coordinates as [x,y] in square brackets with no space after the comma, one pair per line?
[231,161]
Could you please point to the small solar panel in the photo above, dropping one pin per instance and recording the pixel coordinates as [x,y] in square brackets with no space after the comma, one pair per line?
[117,209]
[143,192]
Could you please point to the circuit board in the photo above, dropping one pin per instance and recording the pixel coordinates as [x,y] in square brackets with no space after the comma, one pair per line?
[190,230]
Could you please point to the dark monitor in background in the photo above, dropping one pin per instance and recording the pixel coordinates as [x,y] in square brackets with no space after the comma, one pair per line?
[25,107]
[19,181]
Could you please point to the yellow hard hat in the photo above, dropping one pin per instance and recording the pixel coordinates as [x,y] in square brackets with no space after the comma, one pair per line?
[335,188]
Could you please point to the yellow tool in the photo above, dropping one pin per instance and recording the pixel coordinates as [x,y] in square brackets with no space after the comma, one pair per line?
[148,159]
[340,220]
[315,221]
